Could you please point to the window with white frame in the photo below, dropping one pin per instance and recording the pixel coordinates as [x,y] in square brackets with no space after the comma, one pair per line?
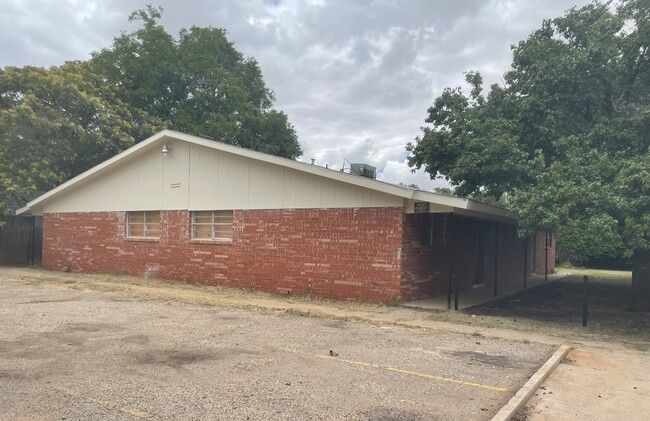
[143,224]
[212,225]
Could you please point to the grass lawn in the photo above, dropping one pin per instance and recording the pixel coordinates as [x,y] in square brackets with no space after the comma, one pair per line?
[622,275]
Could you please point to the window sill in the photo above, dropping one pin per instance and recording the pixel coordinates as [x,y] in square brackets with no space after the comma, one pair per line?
[216,242]
[143,239]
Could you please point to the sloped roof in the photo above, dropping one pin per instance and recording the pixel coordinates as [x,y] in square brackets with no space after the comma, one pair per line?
[161,137]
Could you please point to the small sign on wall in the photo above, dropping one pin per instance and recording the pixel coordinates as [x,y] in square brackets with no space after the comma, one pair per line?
[421,207]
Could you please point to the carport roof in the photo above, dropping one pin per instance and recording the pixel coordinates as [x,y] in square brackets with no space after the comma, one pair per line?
[455,204]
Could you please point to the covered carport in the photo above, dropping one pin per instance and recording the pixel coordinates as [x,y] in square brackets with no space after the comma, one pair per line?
[458,253]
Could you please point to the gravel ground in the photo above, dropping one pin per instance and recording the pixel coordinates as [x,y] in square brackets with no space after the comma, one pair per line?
[71,355]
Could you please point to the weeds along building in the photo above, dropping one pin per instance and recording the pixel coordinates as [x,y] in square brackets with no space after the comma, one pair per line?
[183,207]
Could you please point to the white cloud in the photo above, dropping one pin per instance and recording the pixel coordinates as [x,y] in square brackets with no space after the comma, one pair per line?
[399,172]
[355,78]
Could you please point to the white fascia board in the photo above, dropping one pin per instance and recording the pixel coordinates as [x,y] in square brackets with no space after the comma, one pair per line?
[481,215]
[460,203]
[23,210]
[485,208]
[441,199]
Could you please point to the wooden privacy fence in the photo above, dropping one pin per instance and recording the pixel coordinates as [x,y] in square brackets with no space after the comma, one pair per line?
[21,240]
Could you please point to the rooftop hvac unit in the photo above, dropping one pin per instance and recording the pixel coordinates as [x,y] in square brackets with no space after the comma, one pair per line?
[364,170]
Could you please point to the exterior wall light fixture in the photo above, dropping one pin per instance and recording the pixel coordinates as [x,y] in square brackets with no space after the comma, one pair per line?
[165,150]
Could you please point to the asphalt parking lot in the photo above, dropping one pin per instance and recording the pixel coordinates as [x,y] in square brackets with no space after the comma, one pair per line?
[72,355]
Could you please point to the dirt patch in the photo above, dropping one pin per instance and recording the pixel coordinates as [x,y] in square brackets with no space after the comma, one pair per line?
[48,301]
[523,415]
[173,358]
[388,414]
[87,327]
[483,358]
[136,339]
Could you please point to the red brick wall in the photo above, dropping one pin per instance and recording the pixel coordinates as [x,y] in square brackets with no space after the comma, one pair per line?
[540,252]
[425,267]
[337,253]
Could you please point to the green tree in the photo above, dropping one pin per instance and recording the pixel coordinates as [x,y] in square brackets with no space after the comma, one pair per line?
[56,123]
[443,190]
[564,144]
[412,185]
[198,84]
[471,144]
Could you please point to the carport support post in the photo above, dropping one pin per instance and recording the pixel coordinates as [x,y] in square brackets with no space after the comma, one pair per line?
[585,299]
[457,283]
[456,295]
[546,256]
[525,261]
[496,258]
[450,222]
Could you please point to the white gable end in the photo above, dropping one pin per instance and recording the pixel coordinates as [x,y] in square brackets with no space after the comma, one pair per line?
[196,177]
[201,174]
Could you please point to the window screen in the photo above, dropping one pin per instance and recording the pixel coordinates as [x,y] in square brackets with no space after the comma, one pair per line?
[212,225]
[143,224]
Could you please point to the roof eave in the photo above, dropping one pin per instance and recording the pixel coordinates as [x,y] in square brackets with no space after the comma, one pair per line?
[462,203]
[386,188]
[23,210]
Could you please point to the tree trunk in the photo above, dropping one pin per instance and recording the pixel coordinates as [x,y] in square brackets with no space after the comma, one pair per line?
[641,280]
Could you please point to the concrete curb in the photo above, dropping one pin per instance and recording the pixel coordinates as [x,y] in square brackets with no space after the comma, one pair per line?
[524,394]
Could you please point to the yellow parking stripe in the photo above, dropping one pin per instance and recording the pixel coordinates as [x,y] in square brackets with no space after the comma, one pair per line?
[415,373]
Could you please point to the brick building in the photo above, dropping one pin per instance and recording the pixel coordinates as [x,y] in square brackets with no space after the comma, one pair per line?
[182,207]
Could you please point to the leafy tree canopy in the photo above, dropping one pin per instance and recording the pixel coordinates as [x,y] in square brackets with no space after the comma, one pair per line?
[443,190]
[198,84]
[56,123]
[564,143]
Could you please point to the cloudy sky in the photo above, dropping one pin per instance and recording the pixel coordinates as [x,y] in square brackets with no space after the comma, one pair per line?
[355,77]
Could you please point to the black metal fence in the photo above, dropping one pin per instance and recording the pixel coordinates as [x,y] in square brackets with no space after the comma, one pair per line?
[21,240]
